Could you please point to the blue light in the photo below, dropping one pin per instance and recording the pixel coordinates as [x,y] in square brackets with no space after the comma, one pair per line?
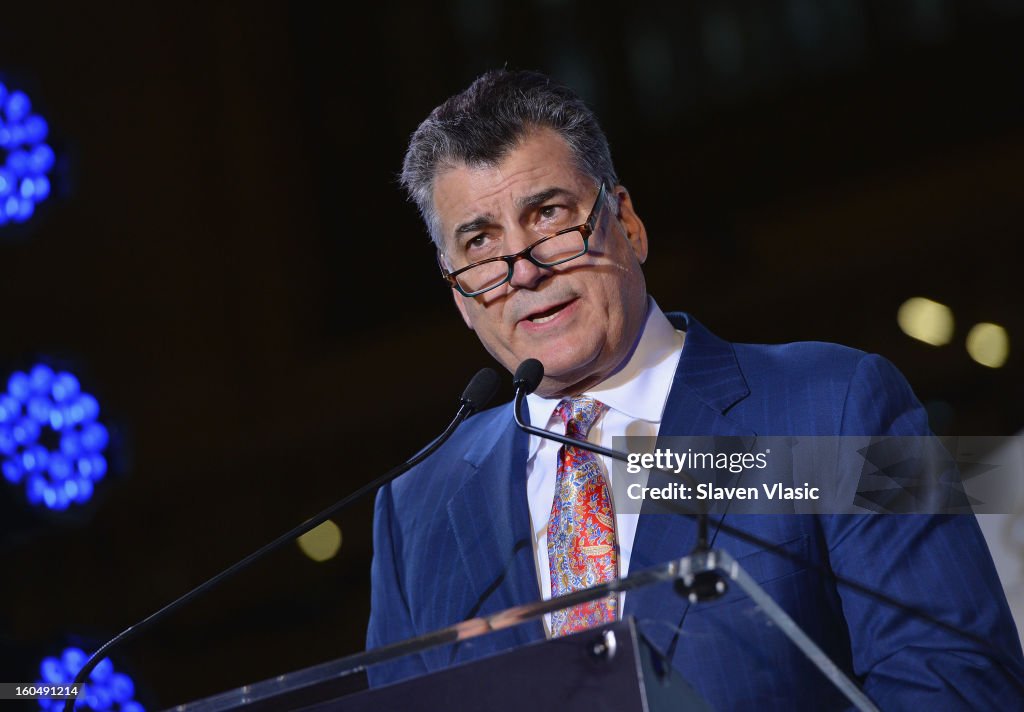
[25,209]
[12,471]
[102,671]
[70,442]
[59,466]
[52,671]
[106,689]
[19,386]
[51,440]
[25,158]
[35,129]
[9,407]
[17,106]
[42,188]
[18,162]
[42,159]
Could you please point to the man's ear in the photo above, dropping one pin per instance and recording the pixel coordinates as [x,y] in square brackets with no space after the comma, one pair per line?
[636,233]
[460,301]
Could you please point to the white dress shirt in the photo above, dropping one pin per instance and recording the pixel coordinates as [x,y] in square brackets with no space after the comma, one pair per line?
[635,395]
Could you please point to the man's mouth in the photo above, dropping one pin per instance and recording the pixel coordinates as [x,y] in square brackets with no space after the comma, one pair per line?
[547,314]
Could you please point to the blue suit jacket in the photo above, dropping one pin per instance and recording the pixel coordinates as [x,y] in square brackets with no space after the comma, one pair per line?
[452,540]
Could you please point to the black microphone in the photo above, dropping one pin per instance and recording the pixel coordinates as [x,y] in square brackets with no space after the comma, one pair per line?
[528,376]
[478,393]
[480,389]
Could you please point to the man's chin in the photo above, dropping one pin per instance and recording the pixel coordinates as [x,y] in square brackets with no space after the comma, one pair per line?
[561,380]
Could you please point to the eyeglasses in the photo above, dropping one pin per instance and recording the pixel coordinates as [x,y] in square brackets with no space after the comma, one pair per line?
[556,249]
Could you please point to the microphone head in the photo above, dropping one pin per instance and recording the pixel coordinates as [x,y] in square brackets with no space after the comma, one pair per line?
[481,389]
[528,376]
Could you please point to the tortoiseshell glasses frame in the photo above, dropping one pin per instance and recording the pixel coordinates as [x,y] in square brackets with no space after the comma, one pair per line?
[585,230]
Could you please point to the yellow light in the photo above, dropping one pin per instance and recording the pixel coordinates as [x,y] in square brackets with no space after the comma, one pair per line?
[988,344]
[926,320]
[321,543]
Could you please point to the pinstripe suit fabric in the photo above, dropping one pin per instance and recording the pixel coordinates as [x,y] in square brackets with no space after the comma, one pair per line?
[452,540]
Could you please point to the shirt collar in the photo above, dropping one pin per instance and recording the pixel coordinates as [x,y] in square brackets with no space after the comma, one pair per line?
[640,388]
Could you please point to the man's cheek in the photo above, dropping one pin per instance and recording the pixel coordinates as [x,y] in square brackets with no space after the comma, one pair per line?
[463,307]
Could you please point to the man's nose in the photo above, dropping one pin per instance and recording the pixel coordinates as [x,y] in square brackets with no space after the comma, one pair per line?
[525,274]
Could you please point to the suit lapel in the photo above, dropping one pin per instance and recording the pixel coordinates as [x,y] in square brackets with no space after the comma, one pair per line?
[708,382]
[498,559]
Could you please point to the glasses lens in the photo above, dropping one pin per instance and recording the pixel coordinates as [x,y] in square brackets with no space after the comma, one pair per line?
[484,276]
[560,248]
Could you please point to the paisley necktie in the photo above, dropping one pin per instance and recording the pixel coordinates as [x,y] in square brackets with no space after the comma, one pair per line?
[582,547]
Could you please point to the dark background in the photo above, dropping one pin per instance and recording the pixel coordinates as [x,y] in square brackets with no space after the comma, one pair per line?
[232,269]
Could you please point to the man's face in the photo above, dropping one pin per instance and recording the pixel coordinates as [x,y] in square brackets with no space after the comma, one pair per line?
[581,318]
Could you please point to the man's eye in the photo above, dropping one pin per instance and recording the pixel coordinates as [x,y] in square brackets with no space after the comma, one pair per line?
[476,243]
[550,211]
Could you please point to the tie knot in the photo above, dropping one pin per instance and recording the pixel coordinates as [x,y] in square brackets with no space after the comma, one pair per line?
[579,414]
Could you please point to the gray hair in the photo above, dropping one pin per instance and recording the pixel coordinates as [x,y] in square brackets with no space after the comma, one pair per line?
[479,127]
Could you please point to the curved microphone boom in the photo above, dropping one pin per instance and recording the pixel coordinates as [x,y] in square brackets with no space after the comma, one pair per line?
[478,393]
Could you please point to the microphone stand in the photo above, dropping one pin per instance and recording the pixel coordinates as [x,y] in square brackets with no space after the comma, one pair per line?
[479,391]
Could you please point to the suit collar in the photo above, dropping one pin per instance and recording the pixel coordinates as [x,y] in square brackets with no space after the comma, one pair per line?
[708,366]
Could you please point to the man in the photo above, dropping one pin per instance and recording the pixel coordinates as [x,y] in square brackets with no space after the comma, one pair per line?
[543,249]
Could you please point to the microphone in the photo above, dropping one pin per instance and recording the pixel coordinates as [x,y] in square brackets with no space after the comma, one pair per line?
[480,389]
[528,376]
[478,393]
[526,380]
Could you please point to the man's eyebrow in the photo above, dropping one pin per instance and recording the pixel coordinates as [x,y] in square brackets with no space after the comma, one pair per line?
[532,201]
[527,201]
[477,223]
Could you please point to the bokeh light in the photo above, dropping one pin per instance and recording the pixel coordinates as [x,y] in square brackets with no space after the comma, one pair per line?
[988,344]
[51,441]
[321,543]
[25,158]
[926,320]
[105,689]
